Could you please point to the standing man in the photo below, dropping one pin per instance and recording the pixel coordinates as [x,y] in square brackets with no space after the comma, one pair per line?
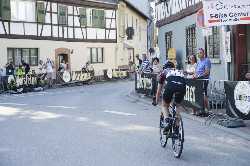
[202,71]
[26,67]
[49,71]
[145,66]
[10,69]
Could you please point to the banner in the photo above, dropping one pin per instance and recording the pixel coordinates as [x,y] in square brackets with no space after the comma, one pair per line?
[194,90]
[226,12]
[238,99]
[143,83]
[194,94]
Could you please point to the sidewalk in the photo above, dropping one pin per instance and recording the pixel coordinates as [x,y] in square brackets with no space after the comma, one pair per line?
[243,132]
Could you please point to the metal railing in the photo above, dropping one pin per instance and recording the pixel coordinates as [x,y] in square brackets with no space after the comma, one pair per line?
[244,69]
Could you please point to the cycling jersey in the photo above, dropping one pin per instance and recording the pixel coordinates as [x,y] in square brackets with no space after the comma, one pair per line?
[174,84]
[166,73]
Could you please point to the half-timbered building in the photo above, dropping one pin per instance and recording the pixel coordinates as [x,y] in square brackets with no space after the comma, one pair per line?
[76,31]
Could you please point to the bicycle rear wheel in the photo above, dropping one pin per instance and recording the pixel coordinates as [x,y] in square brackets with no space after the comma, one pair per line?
[178,140]
[163,138]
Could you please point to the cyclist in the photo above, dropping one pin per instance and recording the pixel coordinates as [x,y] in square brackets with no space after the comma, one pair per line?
[174,83]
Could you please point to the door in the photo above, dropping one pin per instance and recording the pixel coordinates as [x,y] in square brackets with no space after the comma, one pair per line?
[62,54]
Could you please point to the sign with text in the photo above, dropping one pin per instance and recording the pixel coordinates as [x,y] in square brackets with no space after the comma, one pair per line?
[238,98]
[143,83]
[226,12]
[194,94]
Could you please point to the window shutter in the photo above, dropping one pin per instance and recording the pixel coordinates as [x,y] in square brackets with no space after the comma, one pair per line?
[98,18]
[5,9]
[101,19]
[40,12]
[94,18]
[62,15]
[83,16]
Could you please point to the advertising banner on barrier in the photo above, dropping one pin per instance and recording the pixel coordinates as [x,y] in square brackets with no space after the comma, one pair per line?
[194,94]
[194,89]
[238,99]
[30,81]
[143,83]
[226,12]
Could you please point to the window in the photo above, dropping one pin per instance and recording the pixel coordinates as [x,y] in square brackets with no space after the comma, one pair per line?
[62,15]
[23,10]
[98,18]
[29,55]
[191,40]
[214,43]
[96,55]
[168,40]
[5,9]
[40,12]
[83,16]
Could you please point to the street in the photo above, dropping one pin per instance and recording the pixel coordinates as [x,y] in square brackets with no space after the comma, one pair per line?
[100,124]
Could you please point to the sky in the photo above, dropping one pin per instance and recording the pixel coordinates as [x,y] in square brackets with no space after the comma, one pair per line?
[142,5]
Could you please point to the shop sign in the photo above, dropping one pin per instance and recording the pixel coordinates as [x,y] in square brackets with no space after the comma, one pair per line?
[226,12]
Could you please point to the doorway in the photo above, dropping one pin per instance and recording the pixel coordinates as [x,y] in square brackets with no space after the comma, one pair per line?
[62,54]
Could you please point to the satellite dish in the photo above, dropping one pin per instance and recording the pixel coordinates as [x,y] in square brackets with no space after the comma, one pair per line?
[66,76]
[109,73]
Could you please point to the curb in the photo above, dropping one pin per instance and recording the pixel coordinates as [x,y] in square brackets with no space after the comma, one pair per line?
[145,100]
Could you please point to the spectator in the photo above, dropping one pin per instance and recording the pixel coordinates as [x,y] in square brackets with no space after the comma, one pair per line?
[62,66]
[203,72]
[145,66]
[156,67]
[10,70]
[192,63]
[4,77]
[139,61]
[26,67]
[2,72]
[41,67]
[20,71]
[49,71]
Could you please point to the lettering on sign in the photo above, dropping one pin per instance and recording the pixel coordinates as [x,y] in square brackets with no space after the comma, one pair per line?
[144,83]
[190,94]
[230,12]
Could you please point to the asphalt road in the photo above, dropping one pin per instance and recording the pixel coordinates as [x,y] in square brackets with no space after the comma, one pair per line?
[101,125]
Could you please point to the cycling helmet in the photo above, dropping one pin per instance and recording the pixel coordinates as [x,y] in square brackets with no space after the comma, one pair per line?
[168,65]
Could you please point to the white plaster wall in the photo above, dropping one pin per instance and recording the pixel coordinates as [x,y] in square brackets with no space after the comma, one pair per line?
[139,42]
[47,49]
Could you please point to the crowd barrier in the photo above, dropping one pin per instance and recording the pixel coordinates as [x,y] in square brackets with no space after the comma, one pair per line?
[234,96]
[31,81]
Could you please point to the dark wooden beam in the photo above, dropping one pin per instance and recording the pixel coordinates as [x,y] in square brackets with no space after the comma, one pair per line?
[31,37]
[102,5]
[180,15]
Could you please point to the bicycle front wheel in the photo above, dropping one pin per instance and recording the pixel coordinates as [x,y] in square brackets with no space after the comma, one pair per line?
[178,139]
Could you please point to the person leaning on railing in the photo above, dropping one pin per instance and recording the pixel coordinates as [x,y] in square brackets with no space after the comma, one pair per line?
[156,70]
[202,72]
[191,66]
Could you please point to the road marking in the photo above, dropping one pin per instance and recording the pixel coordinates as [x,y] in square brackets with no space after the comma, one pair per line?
[119,113]
[16,104]
[58,106]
